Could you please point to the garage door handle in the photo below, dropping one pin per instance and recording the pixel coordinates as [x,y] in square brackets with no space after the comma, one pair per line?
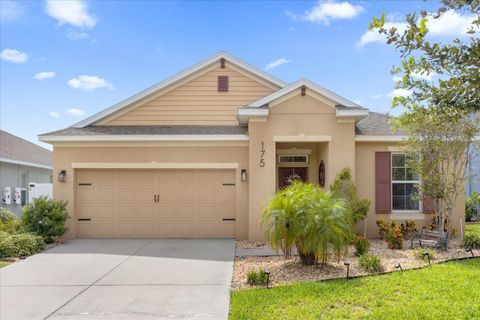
[228,219]
[84,219]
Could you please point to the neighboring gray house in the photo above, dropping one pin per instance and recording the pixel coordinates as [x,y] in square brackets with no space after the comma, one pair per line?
[22,163]
[473,170]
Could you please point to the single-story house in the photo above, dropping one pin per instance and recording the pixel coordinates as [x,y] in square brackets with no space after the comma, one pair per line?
[198,155]
[23,167]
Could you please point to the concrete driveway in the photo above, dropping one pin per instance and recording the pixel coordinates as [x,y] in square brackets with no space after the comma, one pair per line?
[121,279]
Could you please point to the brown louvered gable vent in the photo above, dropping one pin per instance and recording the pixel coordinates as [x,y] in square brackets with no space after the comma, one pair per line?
[222,83]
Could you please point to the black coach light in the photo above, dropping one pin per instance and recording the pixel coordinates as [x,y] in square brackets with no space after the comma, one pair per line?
[62,176]
[347,264]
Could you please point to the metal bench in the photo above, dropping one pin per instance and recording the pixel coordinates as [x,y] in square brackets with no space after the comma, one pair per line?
[430,238]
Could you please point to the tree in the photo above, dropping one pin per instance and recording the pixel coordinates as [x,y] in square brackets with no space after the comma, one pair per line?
[444,82]
[454,64]
[438,139]
[344,188]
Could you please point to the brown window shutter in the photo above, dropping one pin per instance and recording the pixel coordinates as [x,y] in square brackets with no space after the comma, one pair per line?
[222,83]
[383,182]
[428,205]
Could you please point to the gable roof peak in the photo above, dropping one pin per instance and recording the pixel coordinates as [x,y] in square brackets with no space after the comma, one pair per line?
[177,77]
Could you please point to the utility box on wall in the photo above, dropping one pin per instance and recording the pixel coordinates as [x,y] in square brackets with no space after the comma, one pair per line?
[36,190]
[17,195]
[7,195]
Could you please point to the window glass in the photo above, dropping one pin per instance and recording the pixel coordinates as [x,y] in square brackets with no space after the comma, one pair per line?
[404,184]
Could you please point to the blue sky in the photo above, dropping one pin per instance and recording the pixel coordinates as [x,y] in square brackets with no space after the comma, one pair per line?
[62,61]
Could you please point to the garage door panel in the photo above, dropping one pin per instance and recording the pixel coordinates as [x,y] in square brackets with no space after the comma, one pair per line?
[190,203]
[86,194]
[226,194]
[187,194]
[105,193]
[207,194]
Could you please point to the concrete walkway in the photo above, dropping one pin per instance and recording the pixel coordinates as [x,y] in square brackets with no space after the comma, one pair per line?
[121,279]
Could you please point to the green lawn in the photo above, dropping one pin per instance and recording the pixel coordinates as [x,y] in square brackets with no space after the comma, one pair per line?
[472,228]
[4,264]
[444,291]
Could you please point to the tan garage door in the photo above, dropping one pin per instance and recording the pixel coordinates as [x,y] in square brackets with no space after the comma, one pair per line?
[156,203]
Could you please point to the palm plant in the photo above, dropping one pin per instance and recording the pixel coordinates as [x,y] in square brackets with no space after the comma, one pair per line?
[329,230]
[305,216]
[284,217]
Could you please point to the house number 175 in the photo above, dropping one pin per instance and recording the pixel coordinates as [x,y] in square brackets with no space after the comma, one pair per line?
[262,154]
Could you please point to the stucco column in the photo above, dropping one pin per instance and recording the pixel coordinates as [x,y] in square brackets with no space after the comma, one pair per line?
[262,176]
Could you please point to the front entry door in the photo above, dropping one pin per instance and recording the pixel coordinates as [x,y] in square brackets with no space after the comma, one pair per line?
[286,174]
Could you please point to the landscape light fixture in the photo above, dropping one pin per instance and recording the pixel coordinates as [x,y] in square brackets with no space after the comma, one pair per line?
[268,278]
[471,252]
[347,264]
[425,254]
[62,176]
[398,266]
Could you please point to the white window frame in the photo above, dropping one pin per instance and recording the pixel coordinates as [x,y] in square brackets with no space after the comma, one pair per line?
[293,155]
[392,182]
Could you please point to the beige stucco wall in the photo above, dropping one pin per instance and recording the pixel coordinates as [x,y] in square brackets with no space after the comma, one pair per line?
[302,117]
[197,101]
[365,182]
[64,156]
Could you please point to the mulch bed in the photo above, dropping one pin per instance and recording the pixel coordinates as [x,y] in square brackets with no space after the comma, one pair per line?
[290,271]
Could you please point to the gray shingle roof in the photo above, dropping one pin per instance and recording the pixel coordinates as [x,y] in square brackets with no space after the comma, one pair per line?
[375,124]
[149,130]
[15,148]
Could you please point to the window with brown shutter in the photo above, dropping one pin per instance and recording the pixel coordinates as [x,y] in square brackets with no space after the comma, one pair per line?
[383,182]
[222,83]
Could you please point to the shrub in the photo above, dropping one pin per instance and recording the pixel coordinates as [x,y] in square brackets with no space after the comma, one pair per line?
[18,245]
[6,215]
[257,277]
[12,226]
[382,228]
[45,217]
[344,188]
[408,228]
[421,253]
[371,263]
[362,245]
[471,241]
[306,216]
[471,205]
[394,237]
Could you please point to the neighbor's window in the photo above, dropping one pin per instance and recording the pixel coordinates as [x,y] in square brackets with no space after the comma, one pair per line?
[404,183]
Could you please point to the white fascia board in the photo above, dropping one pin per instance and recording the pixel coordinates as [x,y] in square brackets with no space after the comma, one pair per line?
[298,84]
[25,163]
[367,138]
[180,137]
[253,112]
[153,165]
[179,76]
[342,113]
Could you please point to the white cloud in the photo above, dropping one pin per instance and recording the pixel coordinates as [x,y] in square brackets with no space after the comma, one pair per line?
[73,12]
[53,114]
[75,112]
[450,24]
[86,82]
[376,96]
[400,93]
[326,12]
[424,75]
[13,55]
[396,78]
[371,36]
[79,35]
[44,75]
[11,10]
[276,63]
